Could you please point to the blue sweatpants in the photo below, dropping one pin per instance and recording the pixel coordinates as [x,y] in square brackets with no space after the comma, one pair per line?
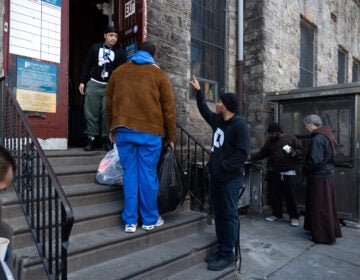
[139,154]
[224,198]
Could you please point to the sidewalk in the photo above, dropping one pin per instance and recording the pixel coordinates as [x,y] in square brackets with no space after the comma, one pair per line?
[277,251]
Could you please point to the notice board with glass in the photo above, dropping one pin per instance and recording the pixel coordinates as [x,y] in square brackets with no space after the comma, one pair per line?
[339,107]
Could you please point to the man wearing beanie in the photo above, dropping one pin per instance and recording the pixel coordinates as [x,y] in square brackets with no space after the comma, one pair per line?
[230,149]
[282,152]
[140,111]
[102,58]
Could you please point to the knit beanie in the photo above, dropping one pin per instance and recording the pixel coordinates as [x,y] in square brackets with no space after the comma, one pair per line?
[148,47]
[110,29]
[231,101]
[274,127]
[314,119]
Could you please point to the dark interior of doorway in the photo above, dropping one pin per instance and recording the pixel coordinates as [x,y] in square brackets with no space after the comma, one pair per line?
[86,26]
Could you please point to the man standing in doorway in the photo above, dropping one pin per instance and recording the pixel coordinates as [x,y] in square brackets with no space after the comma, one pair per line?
[102,58]
[230,149]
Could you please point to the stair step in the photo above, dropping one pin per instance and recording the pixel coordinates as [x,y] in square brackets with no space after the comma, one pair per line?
[87,218]
[156,262]
[73,152]
[90,248]
[78,195]
[200,272]
[76,160]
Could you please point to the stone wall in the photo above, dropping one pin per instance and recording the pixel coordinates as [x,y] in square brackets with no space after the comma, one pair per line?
[168,26]
[2,9]
[272,49]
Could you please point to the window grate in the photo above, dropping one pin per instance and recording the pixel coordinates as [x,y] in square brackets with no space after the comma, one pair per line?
[306,56]
[208,42]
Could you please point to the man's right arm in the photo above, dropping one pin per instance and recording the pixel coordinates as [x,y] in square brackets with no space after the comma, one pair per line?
[262,154]
[90,60]
[204,109]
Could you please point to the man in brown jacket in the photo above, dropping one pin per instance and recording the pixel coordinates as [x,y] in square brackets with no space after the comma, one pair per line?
[140,111]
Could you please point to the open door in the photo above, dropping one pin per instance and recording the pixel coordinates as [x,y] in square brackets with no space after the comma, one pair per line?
[88,20]
[130,20]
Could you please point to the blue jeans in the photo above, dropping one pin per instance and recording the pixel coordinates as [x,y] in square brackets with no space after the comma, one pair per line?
[139,154]
[224,198]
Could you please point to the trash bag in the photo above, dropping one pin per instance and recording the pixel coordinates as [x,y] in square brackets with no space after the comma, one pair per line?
[172,184]
[110,170]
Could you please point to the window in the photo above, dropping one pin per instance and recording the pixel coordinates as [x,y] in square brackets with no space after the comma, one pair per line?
[208,45]
[355,71]
[306,55]
[337,113]
[342,61]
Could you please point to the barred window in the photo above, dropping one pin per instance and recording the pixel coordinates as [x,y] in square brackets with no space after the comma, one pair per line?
[208,45]
[355,71]
[306,55]
[342,61]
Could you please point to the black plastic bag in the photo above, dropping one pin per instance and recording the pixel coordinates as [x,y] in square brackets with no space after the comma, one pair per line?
[172,184]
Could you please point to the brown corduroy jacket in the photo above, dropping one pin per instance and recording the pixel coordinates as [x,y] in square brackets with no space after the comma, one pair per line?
[140,97]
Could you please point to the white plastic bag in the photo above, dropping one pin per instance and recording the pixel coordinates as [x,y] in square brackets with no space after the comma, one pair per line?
[110,170]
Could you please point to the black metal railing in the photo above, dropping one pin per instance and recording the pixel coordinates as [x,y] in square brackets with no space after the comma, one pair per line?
[193,157]
[43,201]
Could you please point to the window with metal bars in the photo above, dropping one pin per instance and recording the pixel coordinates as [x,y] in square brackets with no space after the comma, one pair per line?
[208,45]
[307,53]
[355,71]
[341,67]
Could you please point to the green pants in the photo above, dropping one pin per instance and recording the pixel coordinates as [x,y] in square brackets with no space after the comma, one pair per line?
[94,109]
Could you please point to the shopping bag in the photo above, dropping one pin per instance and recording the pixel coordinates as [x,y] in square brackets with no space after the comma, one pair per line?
[110,170]
[172,184]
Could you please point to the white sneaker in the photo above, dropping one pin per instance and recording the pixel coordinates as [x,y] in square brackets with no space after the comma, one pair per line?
[159,223]
[272,219]
[294,222]
[130,228]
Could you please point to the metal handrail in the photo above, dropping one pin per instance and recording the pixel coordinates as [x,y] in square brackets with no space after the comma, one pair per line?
[193,157]
[46,208]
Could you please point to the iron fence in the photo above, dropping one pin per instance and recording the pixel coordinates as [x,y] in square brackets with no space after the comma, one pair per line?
[193,157]
[43,201]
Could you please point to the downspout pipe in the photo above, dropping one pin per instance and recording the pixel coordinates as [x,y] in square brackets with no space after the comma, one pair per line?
[240,55]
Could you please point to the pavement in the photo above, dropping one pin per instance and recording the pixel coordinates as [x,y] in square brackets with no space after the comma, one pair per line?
[277,251]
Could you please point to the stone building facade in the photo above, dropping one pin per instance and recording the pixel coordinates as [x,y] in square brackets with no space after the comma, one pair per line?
[272,49]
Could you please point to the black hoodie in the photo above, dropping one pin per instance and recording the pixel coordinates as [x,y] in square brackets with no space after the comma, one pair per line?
[230,145]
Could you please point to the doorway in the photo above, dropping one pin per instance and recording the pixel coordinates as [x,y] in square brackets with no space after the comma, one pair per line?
[87,23]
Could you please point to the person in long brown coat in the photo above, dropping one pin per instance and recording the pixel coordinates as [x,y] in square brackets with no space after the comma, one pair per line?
[321,217]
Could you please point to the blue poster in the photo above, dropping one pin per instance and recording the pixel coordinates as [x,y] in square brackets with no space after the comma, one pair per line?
[36,85]
[53,2]
[35,75]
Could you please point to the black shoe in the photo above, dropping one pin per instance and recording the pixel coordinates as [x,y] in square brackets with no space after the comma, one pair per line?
[212,258]
[90,143]
[107,144]
[221,263]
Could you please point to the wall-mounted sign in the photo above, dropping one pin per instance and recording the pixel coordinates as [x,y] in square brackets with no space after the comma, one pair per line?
[35,29]
[131,50]
[129,8]
[36,85]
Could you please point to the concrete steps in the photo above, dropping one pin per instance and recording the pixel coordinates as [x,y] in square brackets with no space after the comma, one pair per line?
[99,248]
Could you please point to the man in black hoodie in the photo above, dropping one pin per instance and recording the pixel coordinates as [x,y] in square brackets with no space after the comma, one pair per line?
[102,58]
[230,149]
